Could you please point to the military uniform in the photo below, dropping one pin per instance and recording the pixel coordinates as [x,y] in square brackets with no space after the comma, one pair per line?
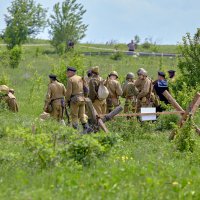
[55,99]
[99,105]
[115,91]
[130,93]
[75,95]
[9,98]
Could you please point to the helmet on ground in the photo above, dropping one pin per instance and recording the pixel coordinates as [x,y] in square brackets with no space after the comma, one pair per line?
[130,75]
[113,73]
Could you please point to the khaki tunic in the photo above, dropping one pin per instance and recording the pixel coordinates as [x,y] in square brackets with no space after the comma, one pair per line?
[75,95]
[12,102]
[55,96]
[130,92]
[115,91]
[99,105]
[143,98]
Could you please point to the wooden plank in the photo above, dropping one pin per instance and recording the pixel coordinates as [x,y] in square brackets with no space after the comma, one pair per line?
[172,101]
[191,109]
[145,114]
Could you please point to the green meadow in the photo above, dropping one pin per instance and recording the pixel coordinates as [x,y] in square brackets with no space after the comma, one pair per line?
[44,160]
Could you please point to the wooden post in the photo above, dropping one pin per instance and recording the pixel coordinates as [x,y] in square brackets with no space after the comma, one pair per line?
[191,109]
[172,101]
[94,115]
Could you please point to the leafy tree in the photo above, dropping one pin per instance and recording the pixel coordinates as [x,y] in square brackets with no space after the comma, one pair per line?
[66,24]
[189,63]
[25,18]
[136,40]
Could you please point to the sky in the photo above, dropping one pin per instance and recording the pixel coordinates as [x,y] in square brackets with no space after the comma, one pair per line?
[165,21]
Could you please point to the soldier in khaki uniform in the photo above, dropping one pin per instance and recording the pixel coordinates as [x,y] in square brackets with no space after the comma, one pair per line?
[9,98]
[144,87]
[99,105]
[115,91]
[54,102]
[75,95]
[130,93]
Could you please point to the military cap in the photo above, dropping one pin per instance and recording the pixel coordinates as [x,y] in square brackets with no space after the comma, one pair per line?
[95,69]
[113,73]
[52,76]
[130,75]
[171,71]
[161,74]
[71,69]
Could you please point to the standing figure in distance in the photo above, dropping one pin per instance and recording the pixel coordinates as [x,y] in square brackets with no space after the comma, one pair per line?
[131,46]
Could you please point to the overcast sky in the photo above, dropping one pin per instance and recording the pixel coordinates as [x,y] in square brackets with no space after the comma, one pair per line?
[166,21]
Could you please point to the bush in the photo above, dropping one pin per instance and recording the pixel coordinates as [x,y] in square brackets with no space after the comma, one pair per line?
[117,56]
[185,137]
[15,56]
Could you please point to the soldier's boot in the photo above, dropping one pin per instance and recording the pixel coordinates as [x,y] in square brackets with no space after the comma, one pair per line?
[75,126]
[86,129]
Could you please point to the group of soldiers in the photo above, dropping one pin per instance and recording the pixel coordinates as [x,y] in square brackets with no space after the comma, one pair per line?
[137,92]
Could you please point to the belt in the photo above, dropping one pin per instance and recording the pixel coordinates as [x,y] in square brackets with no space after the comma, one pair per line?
[80,94]
[57,99]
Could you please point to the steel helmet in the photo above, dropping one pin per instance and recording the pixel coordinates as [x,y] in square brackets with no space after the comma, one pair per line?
[139,70]
[114,73]
[130,75]
[143,72]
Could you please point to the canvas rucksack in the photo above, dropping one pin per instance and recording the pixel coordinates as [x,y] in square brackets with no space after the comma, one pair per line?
[102,92]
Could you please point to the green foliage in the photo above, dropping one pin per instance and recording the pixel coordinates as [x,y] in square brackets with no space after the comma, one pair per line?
[117,56]
[4,58]
[25,18]
[185,137]
[15,56]
[166,122]
[66,24]
[4,79]
[73,59]
[189,63]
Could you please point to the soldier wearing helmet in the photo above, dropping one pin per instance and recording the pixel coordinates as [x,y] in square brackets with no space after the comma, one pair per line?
[115,91]
[130,93]
[144,87]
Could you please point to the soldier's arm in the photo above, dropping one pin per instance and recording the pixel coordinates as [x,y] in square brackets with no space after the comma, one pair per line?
[68,90]
[145,90]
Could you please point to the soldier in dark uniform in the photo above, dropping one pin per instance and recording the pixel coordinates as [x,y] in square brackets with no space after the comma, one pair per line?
[160,86]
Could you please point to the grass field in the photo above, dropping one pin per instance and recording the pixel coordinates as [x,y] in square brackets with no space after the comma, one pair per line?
[46,161]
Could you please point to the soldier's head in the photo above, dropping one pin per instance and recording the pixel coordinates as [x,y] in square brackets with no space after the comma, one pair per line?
[143,74]
[113,75]
[95,70]
[89,73]
[52,77]
[161,75]
[71,71]
[12,90]
[130,76]
[139,70]
[171,73]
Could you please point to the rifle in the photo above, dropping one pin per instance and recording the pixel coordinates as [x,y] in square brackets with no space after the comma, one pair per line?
[67,115]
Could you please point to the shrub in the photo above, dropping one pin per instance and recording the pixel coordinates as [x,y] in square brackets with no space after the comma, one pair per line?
[15,56]
[185,137]
[117,56]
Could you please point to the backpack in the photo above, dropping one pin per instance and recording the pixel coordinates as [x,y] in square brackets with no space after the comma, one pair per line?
[102,92]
